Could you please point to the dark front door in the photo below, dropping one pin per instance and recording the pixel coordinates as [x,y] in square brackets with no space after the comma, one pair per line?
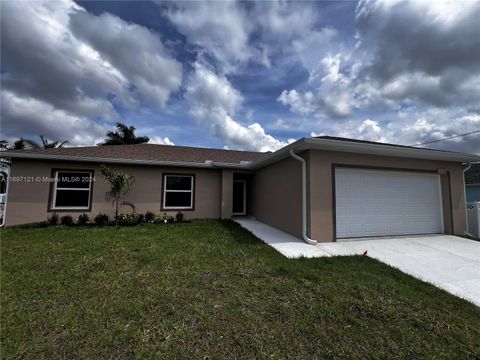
[239,197]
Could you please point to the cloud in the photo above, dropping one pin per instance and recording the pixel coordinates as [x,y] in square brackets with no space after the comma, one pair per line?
[33,116]
[161,140]
[74,63]
[232,34]
[421,50]
[213,102]
[435,124]
[414,68]
[332,97]
[219,28]
[358,129]
[413,127]
[134,51]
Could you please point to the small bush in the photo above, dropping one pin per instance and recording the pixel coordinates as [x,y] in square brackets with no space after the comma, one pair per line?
[149,216]
[66,220]
[83,219]
[179,217]
[128,219]
[163,219]
[101,219]
[43,224]
[53,219]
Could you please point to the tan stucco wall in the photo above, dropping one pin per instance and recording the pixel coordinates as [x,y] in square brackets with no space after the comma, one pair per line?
[321,222]
[227,194]
[277,196]
[29,201]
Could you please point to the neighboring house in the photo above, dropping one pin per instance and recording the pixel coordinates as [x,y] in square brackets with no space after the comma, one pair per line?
[472,183]
[352,188]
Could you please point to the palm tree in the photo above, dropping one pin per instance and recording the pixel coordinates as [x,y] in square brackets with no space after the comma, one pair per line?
[22,143]
[124,135]
[120,185]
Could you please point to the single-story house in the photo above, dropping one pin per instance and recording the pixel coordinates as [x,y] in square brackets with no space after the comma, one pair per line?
[321,189]
[472,183]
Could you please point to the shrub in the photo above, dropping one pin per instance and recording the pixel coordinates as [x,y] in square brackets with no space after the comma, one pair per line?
[179,217]
[149,216]
[43,224]
[163,219]
[128,219]
[101,219]
[66,220]
[83,219]
[53,219]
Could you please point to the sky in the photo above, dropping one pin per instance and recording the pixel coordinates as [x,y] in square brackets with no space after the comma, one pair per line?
[242,75]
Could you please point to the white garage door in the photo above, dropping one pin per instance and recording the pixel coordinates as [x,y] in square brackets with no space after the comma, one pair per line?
[382,203]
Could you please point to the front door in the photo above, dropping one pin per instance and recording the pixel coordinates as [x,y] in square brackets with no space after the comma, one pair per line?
[239,197]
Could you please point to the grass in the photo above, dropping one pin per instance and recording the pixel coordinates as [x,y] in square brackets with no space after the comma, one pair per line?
[209,289]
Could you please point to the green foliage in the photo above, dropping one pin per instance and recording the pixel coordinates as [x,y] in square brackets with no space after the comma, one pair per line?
[125,135]
[22,143]
[120,184]
[210,289]
[179,216]
[149,216]
[129,219]
[83,219]
[53,219]
[66,220]
[101,219]
[163,219]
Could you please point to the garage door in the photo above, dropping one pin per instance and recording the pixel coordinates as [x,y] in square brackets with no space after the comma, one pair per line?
[382,203]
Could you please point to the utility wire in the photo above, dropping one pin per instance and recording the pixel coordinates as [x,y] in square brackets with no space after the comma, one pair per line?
[447,138]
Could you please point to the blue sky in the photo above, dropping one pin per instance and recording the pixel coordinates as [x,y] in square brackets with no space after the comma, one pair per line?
[242,75]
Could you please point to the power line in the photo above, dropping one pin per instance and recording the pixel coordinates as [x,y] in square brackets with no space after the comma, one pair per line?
[447,138]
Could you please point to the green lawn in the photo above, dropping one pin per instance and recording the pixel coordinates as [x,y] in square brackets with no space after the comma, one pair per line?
[209,289]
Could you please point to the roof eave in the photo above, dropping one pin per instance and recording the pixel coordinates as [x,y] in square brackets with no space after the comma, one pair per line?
[363,148]
[214,164]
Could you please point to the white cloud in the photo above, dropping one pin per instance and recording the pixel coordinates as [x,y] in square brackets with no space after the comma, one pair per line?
[213,102]
[221,28]
[161,140]
[78,64]
[134,51]
[32,116]
[435,124]
[332,98]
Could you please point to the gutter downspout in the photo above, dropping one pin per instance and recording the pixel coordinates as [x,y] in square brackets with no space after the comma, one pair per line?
[304,198]
[465,196]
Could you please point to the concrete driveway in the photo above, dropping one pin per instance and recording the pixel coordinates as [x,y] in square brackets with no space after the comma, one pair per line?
[448,262]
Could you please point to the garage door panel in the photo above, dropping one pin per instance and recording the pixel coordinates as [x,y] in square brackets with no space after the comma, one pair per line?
[381,203]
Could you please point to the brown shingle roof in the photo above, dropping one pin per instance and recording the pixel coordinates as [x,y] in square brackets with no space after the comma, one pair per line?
[149,152]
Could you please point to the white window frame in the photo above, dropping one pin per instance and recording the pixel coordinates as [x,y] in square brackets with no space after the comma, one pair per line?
[56,188]
[191,191]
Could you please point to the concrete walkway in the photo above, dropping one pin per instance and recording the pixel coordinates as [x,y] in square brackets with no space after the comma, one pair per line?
[448,262]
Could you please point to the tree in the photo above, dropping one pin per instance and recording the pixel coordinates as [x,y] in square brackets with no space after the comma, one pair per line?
[120,185]
[124,135]
[22,143]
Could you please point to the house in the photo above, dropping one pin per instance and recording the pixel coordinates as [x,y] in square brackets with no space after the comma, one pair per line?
[322,188]
[472,183]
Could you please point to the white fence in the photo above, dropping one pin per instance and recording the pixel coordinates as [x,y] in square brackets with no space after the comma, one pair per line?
[473,217]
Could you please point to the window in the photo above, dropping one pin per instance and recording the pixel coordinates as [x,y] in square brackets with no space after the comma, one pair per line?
[178,191]
[71,190]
